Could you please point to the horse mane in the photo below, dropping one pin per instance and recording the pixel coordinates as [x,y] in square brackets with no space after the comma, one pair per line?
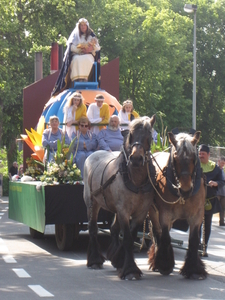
[184,143]
[138,123]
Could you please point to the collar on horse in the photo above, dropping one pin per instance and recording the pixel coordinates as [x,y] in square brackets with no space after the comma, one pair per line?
[144,188]
[172,180]
[123,170]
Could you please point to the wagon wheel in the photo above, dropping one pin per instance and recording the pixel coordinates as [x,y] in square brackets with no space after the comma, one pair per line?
[64,235]
[36,234]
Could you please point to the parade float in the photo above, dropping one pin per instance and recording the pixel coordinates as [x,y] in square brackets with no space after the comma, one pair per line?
[35,201]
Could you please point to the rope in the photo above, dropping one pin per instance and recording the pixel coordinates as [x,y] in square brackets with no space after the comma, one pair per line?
[180,199]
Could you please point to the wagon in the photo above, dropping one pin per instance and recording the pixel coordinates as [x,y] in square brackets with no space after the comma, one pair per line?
[61,205]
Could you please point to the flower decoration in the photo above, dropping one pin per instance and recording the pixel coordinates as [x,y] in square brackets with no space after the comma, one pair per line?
[33,169]
[62,170]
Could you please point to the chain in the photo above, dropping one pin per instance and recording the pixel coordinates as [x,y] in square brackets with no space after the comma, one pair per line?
[203,237]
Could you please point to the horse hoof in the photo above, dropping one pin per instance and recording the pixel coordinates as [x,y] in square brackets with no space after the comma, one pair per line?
[165,272]
[133,276]
[96,266]
[198,276]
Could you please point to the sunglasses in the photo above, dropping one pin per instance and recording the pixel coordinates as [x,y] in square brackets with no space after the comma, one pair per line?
[81,125]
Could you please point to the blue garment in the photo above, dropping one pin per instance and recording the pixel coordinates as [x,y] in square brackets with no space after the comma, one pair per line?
[110,140]
[50,139]
[221,189]
[91,144]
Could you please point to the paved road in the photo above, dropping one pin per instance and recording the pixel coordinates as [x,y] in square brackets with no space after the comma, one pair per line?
[33,269]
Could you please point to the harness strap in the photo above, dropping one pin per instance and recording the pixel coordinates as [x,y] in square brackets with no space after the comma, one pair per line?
[107,183]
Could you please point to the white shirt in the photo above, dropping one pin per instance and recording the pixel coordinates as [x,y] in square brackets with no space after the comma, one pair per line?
[93,114]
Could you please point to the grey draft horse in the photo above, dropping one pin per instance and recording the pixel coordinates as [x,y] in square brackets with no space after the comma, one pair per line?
[119,183]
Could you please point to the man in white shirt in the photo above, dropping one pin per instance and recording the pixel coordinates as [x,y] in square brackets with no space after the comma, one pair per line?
[98,113]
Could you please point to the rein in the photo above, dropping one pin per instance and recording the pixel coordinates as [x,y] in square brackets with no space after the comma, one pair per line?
[180,199]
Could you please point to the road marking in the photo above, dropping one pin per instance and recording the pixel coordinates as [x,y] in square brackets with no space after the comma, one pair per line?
[40,291]
[4,249]
[9,259]
[21,273]
[2,214]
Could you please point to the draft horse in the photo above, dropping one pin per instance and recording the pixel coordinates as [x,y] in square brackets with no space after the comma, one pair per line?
[119,183]
[180,194]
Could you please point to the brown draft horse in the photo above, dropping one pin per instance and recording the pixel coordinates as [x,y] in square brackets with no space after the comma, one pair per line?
[120,183]
[180,194]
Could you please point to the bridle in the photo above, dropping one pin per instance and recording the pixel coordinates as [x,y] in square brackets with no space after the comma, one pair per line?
[183,173]
[146,156]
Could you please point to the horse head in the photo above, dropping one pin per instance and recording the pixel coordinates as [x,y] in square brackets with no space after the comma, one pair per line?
[138,141]
[184,160]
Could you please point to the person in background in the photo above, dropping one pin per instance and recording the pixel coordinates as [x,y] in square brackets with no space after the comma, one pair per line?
[127,114]
[111,139]
[52,135]
[214,180]
[13,169]
[85,144]
[98,112]
[20,172]
[221,192]
[73,111]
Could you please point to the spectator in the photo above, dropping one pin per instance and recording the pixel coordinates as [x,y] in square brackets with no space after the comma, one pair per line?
[86,143]
[98,112]
[214,182]
[13,169]
[111,139]
[73,111]
[127,114]
[221,192]
[51,135]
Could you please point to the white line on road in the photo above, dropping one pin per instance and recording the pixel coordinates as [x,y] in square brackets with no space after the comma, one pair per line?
[4,249]
[40,291]
[21,273]
[2,214]
[9,259]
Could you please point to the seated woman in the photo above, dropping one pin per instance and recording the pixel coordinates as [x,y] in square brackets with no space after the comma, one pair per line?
[51,135]
[73,111]
[127,113]
[82,46]
[86,143]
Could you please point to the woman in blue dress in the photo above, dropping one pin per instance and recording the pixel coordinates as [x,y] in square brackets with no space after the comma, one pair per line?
[85,144]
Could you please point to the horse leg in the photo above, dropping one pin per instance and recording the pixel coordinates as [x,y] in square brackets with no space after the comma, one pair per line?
[156,236]
[193,266]
[129,269]
[164,256]
[115,244]
[95,259]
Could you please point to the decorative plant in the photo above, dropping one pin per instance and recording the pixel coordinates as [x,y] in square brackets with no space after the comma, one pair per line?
[62,170]
[33,169]
[162,141]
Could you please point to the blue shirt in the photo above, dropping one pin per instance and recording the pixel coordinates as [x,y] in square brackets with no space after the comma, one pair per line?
[49,138]
[90,140]
[110,140]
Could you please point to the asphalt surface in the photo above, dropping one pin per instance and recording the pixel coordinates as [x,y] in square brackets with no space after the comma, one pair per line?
[34,269]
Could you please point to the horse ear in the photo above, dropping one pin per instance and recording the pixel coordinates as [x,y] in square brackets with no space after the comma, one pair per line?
[124,132]
[196,138]
[152,120]
[172,139]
